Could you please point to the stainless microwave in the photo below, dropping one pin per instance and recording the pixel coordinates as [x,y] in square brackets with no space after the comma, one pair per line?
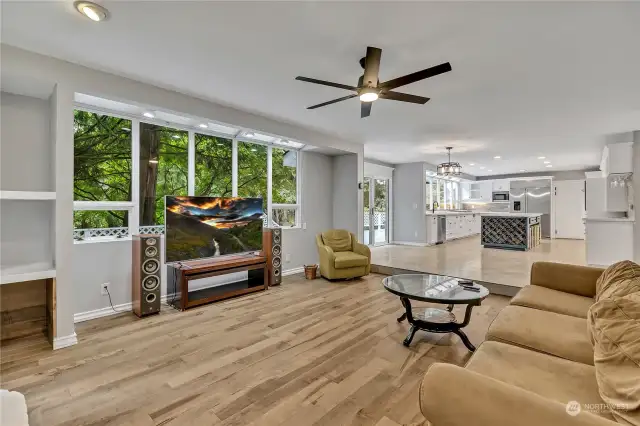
[501,196]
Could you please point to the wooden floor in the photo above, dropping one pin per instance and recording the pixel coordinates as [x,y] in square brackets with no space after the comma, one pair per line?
[304,353]
[466,258]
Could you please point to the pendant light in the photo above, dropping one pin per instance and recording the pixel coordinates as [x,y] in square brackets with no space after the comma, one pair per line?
[449,168]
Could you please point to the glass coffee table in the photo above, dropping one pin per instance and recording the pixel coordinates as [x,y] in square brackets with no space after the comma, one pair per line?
[439,289]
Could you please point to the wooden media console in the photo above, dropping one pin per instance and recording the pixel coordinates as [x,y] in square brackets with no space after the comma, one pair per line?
[180,273]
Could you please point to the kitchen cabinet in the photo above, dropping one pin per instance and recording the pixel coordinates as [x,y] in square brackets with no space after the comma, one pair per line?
[462,225]
[478,191]
[501,185]
[432,229]
[617,158]
[615,197]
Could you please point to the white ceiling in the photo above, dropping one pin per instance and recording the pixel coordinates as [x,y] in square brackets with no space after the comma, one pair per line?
[529,78]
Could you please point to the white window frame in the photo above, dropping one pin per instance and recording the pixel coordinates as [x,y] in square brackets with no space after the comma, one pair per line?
[133,206]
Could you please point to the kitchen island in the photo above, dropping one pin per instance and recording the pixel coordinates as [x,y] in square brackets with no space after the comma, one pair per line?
[511,231]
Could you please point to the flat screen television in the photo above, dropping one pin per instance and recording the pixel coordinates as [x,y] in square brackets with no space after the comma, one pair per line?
[201,227]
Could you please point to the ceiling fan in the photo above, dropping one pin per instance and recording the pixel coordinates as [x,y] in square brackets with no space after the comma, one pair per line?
[369,88]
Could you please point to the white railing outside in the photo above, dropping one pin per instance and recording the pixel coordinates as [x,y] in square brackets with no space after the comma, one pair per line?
[379,219]
[152,229]
[89,233]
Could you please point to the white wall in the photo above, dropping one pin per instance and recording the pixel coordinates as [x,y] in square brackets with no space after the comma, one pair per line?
[110,261]
[346,206]
[636,184]
[409,203]
[25,144]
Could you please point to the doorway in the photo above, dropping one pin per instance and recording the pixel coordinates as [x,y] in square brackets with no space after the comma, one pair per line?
[569,209]
[376,211]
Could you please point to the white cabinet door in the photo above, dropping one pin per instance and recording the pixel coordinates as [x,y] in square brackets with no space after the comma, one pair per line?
[501,185]
[432,229]
[618,158]
[569,207]
[486,190]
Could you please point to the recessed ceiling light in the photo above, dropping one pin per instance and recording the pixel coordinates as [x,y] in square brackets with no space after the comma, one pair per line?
[497,157]
[149,114]
[547,162]
[202,126]
[549,165]
[481,167]
[93,11]
[522,170]
[176,136]
[489,170]
[472,164]
[541,158]
[249,134]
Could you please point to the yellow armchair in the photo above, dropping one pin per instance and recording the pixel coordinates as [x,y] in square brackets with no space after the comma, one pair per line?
[342,256]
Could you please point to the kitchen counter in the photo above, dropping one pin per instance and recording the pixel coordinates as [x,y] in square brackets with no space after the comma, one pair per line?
[503,214]
[512,231]
[448,213]
[608,219]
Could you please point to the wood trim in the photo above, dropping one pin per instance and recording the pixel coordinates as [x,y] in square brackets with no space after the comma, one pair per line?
[52,310]
[222,296]
[228,262]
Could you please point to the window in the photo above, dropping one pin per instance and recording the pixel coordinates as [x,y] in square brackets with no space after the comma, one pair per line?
[163,169]
[111,156]
[252,171]
[213,166]
[102,157]
[443,191]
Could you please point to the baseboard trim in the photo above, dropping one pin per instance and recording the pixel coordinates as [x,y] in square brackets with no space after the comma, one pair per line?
[410,243]
[105,312]
[293,271]
[65,341]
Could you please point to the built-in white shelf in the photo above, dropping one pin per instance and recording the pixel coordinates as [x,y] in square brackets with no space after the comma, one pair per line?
[27,195]
[30,272]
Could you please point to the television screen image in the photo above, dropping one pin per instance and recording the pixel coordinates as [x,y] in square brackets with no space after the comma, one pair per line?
[200,227]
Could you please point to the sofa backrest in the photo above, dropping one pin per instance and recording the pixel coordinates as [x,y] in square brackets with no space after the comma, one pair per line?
[337,239]
[614,326]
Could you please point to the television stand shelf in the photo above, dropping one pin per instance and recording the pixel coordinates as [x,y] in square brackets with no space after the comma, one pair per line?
[180,273]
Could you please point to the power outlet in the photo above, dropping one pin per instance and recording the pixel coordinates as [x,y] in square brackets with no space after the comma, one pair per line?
[104,289]
[287,258]
[415,234]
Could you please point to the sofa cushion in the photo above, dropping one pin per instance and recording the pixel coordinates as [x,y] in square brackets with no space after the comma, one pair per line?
[555,334]
[615,326]
[536,297]
[349,259]
[548,376]
[619,279]
[338,239]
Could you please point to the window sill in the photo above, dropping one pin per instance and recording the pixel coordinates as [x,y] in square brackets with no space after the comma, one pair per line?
[101,240]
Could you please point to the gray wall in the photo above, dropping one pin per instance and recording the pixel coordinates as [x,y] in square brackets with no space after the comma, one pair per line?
[25,144]
[110,261]
[559,175]
[378,162]
[636,194]
[345,192]
[409,203]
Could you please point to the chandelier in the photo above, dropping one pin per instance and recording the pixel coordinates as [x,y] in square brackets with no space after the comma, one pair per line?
[449,168]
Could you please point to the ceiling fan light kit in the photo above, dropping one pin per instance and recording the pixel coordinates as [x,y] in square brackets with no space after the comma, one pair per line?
[369,88]
[449,168]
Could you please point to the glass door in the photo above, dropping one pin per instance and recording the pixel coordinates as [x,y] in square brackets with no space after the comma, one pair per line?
[380,203]
[376,211]
[366,195]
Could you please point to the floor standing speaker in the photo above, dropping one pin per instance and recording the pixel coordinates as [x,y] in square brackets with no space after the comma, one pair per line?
[145,288]
[272,246]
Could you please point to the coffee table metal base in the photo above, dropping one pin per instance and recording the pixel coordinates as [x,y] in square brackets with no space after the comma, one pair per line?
[436,321]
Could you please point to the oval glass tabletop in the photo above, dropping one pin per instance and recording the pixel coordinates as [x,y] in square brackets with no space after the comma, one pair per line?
[433,288]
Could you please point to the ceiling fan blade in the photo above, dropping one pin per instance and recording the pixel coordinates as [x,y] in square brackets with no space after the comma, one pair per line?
[365,109]
[416,76]
[326,83]
[344,98]
[371,67]
[403,97]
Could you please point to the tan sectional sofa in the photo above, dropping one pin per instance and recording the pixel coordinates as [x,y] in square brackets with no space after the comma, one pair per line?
[566,351]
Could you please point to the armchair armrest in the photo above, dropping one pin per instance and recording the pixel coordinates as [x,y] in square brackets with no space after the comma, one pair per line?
[453,396]
[574,279]
[360,248]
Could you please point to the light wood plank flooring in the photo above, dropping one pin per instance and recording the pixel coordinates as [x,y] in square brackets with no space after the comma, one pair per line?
[304,353]
[466,258]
